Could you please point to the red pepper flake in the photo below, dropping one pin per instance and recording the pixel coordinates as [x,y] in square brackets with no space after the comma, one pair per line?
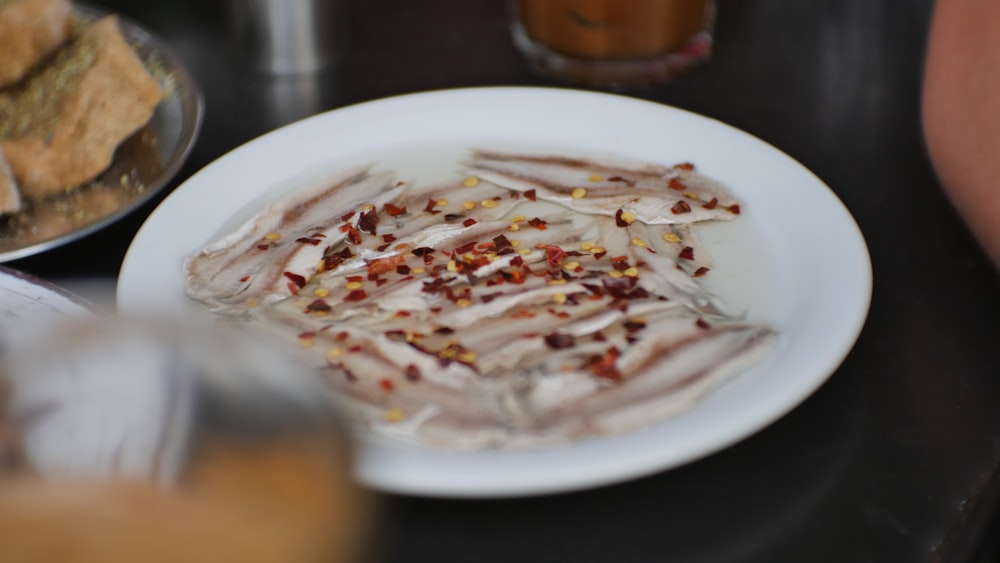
[422,251]
[604,367]
[700,272]
[355,349]
[389,238]
[684,166]
[680,207]
[298,280]
[628,182]
[413,373]
[531,195]
[386,385]
[538,223]
[356,295]
[554,255]
[308,240]
[341,336]
[687,253]
[403,270]
[702,324]
[711,204]
[263,247]
[517,260]
[384,264]
[435,310]
[353,234]
[469,222]
[306,335]
[516,276]
[347,216]
[501,243]
[734,209]
[559,341]
[599,336]
[468,247]
[393,210]
[676,184]
[634,325]
[619,220]
[431,204]
[453,216]
[245,279]
[368,221]
[319,306]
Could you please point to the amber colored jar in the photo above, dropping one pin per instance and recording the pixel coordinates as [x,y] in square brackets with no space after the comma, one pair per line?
[587,39]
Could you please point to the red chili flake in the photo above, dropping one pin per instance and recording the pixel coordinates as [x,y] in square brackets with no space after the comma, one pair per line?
[385,264]
[554,255]
[618,219]
[604,366]
[435,310]
[634,325]
[389,238]
[386,384]
[412,373]
[341,336]
[368,221]
[700,272]
[531,194]
[468,222]
[680,207]
[353,234]
[319,306]
[468,247]
[393,210]
[516,277]
[355,349]
[676,184]
[501,243]
[354,279]
[263,247]
[539,224]
[517,260]
[245,279]
[559,341]
[734,209]
[434,286]
[628,182]
[308,240]
[347,216]
[403,270]
[296,279]
[599,336]
[422,251]
[702,324]
[684,166]
[356,295]
[382,247]
[711,204]
[431,204]
[453,216]
[687,253]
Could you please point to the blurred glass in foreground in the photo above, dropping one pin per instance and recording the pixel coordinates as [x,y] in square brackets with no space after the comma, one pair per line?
[139,441]
[608,43]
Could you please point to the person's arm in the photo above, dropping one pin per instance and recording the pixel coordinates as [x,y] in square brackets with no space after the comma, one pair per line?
[961,111]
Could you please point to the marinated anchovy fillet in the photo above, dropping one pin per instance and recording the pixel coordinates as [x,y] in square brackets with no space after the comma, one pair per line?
[536,301]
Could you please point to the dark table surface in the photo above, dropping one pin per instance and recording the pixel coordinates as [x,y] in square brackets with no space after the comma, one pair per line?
[894,459]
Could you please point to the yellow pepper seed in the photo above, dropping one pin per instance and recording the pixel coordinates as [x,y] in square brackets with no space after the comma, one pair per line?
[671,237]
[468,357]
[322,292]
[463,302]
[470,205]
[559,298]
[418,271]
[615,274]
[441,202]
[571,266]
[638,242]
[334,353]
[306,342]
[588,245]
[488,203]
[690,195]
[513,227]
[470,181]
[452,266]
[272,236]
[514,243]
[558,281]
[598,250]
[628,217]
[631,272]
[524,251]
[579,193]
[595,178]
[354,285]
[394,415]
[517,218]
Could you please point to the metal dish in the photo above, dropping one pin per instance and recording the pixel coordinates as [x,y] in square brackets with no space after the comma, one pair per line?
[143,165]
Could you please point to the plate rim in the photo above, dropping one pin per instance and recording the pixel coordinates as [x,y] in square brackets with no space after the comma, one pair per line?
[482,488]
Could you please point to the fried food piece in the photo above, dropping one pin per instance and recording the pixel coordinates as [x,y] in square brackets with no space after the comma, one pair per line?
[29,31]
[10,196]
[60,128]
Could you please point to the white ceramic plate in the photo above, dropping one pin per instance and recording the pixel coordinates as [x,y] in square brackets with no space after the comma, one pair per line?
[795,258]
